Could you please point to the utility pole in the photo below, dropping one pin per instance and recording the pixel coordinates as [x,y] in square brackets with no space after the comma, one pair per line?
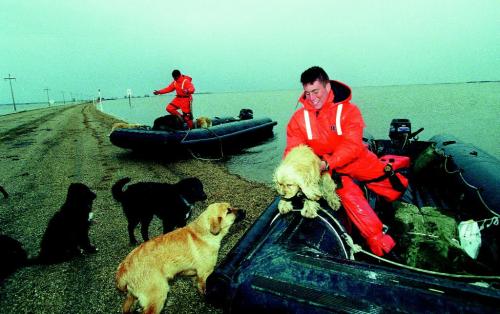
[129,94]
[48,99]
[11,90]
[64,99]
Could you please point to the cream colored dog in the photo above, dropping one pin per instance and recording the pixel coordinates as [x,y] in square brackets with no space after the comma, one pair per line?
[190,251]
[123,125]
[203,122]
[300,173]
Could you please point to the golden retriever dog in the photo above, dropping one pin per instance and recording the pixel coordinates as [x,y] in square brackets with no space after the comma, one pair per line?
[190,251]
[203,122]
[300,173]
[123,125]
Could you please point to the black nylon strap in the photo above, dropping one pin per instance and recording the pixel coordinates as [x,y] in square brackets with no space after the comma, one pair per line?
[393,178]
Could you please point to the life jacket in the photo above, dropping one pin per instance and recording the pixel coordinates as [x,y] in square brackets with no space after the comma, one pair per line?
[334,132]
[182,83]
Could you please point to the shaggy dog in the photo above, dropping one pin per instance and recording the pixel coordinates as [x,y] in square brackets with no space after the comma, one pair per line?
[67,233]
[13,256]
[2,190]
[170,122]
[203,122]
[172,203]
[122,125]
[299,173]
[190,251]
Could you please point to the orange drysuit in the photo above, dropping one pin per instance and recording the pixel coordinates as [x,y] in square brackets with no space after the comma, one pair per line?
[335,133]
[184,88]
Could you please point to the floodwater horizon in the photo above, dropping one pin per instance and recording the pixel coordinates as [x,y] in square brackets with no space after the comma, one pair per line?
[467,111]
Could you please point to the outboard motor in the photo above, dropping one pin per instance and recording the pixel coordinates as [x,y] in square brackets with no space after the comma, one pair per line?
[246,114]
[400,132]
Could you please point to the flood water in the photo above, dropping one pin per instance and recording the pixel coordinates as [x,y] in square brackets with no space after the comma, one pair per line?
[469,111]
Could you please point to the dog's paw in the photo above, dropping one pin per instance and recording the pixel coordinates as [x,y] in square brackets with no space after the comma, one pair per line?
[90,249]
[333,201]
[284,206]
[201,286]
[310,209]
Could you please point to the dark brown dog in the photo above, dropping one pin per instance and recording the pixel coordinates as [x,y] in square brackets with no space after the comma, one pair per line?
[169,122]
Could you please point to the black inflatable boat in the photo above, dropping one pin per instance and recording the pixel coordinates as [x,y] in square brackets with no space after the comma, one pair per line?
[226,133]
[291,264]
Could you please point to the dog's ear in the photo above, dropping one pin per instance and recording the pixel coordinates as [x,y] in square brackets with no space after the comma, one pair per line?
[215,225]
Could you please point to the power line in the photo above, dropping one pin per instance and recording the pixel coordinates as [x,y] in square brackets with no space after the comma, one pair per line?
[11,90]
[48,99]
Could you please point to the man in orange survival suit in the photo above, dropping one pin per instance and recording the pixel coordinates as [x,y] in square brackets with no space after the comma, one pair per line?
[333,127]
[183,99]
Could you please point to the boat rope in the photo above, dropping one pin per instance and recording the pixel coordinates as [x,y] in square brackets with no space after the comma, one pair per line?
[356,248]
[430,271]
[486,223]
[202,158]
[475,188]
[446,168]
[339,231]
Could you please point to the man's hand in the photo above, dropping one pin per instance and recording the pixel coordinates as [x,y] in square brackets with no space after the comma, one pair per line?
[324,166]
[156,92]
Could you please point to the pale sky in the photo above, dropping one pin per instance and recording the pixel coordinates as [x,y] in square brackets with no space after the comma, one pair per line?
[78,47]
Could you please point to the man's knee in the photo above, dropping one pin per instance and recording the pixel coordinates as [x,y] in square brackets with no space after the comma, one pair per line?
[172,109]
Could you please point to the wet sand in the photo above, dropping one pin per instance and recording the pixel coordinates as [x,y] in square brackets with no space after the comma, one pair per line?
[41,153]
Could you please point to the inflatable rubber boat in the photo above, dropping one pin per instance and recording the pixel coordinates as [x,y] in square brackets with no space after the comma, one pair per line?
[446,228]
[226,133]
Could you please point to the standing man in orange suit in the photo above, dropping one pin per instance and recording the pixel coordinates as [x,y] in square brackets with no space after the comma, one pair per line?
[183,100]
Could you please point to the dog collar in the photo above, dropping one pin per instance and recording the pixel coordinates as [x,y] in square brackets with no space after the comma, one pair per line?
[188,205]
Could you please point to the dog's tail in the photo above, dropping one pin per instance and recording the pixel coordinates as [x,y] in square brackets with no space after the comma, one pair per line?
[2,190]
[117,189]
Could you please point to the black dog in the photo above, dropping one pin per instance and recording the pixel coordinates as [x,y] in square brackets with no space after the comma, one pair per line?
[13,256]
[169,122]
[172,203]
[2,190]
[68,230]
[245,114]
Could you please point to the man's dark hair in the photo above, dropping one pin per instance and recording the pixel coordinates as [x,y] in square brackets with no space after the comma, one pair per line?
[312,74]
[176,74]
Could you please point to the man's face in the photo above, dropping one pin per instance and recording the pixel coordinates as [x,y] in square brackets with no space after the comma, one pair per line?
[316,93]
